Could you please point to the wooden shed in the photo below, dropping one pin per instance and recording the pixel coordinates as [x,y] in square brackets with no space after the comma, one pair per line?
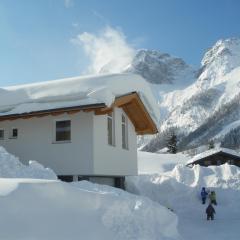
[215,157]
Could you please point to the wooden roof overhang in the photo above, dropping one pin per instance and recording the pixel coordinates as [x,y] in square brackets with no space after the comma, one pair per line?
[130,103]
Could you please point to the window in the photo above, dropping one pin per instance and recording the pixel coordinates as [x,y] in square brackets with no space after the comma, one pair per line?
[207,162]
[124,132]
[230,162]
[1,134]
[14,133]
[219,162]
[63,130]
[110,128]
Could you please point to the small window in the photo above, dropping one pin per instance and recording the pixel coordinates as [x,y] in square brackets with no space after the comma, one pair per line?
[231,161]
[14,133]
[124,132]
[110,128]
[207,162]
[219,162]
[1,134]
[63,130]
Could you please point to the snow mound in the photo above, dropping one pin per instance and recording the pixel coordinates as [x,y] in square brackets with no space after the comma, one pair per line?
[179,190]
[65,211]
[11,167]
[224,176]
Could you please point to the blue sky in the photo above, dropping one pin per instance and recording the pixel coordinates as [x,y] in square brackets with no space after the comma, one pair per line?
[42,40]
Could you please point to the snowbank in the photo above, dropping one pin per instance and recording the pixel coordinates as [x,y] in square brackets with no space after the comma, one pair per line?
[57,210]
[11,167]
[179,189]
[76,92]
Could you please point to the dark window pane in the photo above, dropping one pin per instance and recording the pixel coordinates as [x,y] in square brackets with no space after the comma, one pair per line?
[110,131]
[1,134]
[124,133]
[63,130]
[15,132]
[66,178]
[123,136]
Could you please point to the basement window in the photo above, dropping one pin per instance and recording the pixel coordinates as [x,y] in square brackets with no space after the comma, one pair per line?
[110,128]
[124,132]
[63,131]
[1,134]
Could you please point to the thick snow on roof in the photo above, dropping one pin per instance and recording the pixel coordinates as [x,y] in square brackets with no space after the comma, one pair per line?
[211,152]
[77,91]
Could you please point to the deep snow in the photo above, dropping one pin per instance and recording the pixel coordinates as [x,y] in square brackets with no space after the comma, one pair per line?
[165,205]
[11,167]
[77,91]
[40,209]
[57,210]
[178,188]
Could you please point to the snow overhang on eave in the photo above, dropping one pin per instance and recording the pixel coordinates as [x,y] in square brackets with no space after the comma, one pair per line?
[136,111]
[130,103]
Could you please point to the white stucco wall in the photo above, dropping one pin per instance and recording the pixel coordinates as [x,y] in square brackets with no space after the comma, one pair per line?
[88,152]
[114,160]
[36,142]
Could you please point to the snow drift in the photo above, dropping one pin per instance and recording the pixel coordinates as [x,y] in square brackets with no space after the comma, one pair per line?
[57,210]
[179,189]
[11,167]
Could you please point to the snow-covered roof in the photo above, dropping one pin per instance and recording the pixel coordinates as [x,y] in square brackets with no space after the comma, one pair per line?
[212,152]
[77,91]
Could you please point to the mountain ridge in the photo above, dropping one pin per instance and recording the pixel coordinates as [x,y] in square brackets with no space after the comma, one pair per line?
[217,83]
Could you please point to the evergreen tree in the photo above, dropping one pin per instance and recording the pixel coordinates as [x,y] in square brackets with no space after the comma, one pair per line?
[172,143]
[211,144]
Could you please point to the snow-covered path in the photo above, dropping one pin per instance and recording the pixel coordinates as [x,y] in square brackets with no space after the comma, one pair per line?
[180,188]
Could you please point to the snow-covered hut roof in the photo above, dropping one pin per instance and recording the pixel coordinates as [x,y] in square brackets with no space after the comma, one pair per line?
[98,90]
[212,152]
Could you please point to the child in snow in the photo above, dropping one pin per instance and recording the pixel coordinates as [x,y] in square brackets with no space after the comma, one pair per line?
[212,197]
[210,211]
[203,195]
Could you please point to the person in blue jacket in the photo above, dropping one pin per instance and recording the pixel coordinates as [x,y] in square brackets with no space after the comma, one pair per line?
[204,195]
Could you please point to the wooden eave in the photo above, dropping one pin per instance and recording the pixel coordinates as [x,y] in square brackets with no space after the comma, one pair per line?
[136,112]
[52,112]
[130,103]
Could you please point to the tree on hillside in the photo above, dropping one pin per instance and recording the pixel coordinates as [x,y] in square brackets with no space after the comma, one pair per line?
[211,144]
[172,143]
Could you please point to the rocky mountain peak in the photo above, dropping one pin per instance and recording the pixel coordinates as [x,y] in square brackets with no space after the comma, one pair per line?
[159,68]
[219,60]
[222,49]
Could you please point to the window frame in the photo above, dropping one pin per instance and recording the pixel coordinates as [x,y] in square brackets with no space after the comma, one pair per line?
[55,141]
[125,136]
[11,133]
[112,117]
[3,137]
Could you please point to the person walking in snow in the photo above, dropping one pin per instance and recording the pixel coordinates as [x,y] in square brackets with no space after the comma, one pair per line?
[212,197]
[210,211]
[204,195]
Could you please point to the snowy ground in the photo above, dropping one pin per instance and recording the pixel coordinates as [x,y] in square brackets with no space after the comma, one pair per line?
[34,205]
[178,187]
[42,209]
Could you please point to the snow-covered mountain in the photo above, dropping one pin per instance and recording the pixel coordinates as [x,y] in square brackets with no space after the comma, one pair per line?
[161,68]
[189,99]
[196,109]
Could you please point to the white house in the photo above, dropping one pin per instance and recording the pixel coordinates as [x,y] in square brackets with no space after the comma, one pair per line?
[82,128]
